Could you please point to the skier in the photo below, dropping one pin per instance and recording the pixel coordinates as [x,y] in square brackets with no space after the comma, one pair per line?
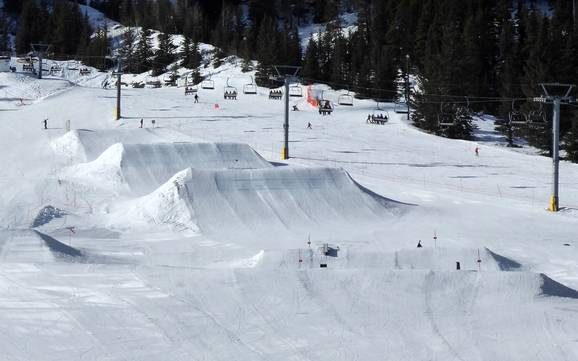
[45,121]
[295,109]
[196,98]
[141,122]
[309,125]
[419,244]
[153,122]
[477,150]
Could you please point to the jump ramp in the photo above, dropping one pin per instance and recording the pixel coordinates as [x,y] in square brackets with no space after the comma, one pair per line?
[263,201]
[142,168]
[85,145]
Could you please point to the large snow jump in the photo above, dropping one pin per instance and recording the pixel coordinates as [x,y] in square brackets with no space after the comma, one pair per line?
[144,167]
[275,199]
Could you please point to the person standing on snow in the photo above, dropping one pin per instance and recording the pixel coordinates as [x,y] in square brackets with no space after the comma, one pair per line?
[419,244]
[141,122]
[477,150]
[45,121]
[309,125]
[196,98]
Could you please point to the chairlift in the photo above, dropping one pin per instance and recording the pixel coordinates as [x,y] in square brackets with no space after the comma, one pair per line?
[517,117]
[345,99]
[537,117]
[208,84]
[378,118]
[250,88]
[230,92]
[191,89]
[189,79]
[325,107]
[169,79]
[275,94]
[72,65]
[295,91]
[445,118]
[154,84]
[55,68]
[400,107]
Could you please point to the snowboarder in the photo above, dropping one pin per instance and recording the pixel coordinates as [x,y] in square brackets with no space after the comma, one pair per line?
[45,121]
[419,244]
[196,98]
[477,150]
[141,122]
[295,109]
[309,125]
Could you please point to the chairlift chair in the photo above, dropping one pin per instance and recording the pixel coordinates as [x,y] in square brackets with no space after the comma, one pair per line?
[400,107]
[169,79]
[250,88]
[295,91]
[517,117]
[190,89]
[72,65]
[445,118]
[345,99]
[230,92]
[55,68]
[325,107]
[378,118]
[208,84]
[537,117]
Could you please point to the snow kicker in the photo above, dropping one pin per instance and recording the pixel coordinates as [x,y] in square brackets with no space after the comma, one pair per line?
[145,167]
[274,199]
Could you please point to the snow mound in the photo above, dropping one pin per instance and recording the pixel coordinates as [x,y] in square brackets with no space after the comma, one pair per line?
[145,167]
[437,259]
[244,202]
[83,145]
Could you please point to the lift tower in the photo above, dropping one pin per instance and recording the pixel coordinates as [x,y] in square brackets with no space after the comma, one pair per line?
[555,93]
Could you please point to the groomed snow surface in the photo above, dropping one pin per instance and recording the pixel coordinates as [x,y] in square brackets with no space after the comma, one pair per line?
[189,239]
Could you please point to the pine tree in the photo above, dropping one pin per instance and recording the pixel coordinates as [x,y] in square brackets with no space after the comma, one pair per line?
[4,35]
[311,70]
[144,51]
[97,49]
[30,29]
[128,51]
[164,55]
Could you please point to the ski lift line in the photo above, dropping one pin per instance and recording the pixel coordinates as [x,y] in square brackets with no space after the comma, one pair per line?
[342,85]
[396,92]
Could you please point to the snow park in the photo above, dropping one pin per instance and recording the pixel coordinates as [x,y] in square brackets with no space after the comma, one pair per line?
[204,203]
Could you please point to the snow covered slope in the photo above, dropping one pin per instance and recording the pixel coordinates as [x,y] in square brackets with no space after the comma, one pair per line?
[206,266]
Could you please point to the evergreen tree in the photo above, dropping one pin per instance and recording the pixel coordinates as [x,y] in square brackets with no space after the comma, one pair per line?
[144,51]
[98,49]
[164,55]
[30,28]
[311,70]
[128,51]
[4,35]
